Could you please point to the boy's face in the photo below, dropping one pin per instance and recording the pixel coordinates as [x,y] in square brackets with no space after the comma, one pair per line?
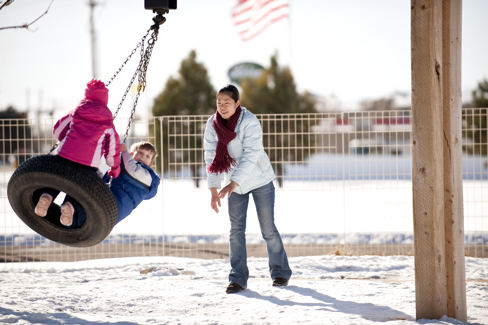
[144,156]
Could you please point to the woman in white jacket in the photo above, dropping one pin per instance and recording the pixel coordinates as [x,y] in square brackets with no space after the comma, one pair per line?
[233,147]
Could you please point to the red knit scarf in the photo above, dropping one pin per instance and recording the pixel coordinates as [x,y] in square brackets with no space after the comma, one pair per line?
[222,161]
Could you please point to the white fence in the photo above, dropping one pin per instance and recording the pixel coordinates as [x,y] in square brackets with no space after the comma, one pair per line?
[343,187]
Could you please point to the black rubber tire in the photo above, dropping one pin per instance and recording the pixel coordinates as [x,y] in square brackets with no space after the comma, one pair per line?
[78,181]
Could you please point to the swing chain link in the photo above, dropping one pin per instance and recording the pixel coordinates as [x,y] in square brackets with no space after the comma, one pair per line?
[54,147]
[141,43]
[141,73]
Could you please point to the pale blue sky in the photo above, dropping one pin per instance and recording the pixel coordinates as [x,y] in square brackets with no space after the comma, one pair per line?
[355,49]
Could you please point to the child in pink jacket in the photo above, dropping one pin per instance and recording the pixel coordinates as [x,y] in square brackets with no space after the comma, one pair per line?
[85,134]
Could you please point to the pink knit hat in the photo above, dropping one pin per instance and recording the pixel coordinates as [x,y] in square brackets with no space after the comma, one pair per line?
[96,90]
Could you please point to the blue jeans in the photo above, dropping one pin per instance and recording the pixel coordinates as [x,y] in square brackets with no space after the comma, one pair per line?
[264,198]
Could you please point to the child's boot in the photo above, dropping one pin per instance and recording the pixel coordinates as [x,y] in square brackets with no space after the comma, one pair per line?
[67,212]
[43,205]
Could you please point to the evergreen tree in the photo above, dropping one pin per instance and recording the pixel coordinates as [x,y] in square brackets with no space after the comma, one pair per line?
[476,123]
[15,136]
[274,92]
[191,93]
[480,95]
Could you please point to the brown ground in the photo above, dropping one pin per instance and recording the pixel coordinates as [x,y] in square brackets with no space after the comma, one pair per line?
[60,253]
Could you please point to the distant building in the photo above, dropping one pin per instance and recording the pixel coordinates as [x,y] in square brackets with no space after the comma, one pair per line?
[398,100]
[328,104]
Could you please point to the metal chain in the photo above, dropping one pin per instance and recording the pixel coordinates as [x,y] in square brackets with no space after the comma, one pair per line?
[131,80]
[140,73]
[54,147]
[141,43]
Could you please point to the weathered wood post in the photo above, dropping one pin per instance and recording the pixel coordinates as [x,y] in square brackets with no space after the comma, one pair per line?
[453,162]
[437,159]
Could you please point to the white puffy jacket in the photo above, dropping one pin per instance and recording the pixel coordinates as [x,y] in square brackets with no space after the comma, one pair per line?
[253,168]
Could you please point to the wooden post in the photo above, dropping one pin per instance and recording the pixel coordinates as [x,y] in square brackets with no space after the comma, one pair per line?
[453,176]
[427,165]
[436,168]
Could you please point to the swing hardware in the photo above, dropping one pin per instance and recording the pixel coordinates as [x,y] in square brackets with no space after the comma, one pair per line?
[159,19]
[141,69]
[160,5]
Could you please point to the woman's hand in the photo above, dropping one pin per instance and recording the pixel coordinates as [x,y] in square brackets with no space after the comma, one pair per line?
[215,200]
[228,189]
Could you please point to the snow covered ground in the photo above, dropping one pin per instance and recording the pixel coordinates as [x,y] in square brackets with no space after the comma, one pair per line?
[323,290]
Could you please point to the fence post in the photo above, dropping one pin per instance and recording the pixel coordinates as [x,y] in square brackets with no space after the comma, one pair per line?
[436,166]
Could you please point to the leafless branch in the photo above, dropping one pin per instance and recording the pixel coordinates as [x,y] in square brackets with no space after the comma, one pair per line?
[26,25]
[6,3]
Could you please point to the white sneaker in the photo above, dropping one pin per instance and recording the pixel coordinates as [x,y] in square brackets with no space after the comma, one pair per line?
[43,205]
[67,212]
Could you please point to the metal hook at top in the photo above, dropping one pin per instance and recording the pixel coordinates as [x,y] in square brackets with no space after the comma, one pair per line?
[159,19]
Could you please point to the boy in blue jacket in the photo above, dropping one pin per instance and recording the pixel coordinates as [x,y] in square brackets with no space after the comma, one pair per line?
[137,182]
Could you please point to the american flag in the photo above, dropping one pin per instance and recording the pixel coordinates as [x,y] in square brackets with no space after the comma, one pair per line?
[253,16]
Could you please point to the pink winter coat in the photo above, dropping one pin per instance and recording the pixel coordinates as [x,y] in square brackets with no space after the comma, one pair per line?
[86,133]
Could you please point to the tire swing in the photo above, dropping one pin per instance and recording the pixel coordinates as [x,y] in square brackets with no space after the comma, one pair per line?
[78,181]
[36,174]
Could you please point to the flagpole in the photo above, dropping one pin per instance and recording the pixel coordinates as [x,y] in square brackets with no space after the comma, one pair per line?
[290,36]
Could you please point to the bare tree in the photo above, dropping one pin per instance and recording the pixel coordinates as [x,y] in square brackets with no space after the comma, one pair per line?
[25,25]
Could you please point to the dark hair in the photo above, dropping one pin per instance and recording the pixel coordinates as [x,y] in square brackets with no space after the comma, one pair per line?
[230,90]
